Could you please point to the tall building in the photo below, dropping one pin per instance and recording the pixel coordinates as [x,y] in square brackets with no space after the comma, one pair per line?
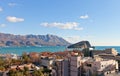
[62,67]
[66,68]
[75,66]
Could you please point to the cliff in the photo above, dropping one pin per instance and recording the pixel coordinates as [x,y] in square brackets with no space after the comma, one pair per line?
[82,44]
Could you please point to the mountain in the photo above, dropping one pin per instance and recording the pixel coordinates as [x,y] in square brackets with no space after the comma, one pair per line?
[31,40]
[82,44]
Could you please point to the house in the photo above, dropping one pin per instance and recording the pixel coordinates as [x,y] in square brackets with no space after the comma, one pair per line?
[47,62]
[99,66]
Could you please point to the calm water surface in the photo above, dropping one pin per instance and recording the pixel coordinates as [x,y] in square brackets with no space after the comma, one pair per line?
[20,50]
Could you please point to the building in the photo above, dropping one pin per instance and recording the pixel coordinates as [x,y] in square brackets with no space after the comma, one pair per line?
[59,67]
[35,57]
[14,56]
[29,66]
[47,62]
[99,66]
[110,51]
[75,66]
[62,67]
[66,67]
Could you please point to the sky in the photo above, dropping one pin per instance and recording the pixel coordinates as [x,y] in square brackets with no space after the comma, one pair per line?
[97,21]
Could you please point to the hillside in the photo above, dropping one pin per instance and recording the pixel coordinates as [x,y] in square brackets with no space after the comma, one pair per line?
[82,44]
[31,40]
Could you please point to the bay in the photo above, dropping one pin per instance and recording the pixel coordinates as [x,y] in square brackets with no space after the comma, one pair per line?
[20,50]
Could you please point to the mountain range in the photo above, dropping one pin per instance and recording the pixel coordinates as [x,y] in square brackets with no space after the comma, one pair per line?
[31,40]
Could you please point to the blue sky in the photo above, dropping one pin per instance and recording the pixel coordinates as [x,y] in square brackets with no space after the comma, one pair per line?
[97,21]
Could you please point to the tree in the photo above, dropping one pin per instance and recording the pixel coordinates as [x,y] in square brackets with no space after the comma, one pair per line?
[46,71]
[86,52]
[1,62]
[37,73]
[26,71]
[26,58]
[2,68]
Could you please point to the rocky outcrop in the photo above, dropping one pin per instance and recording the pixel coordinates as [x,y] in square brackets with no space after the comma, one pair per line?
[82,44]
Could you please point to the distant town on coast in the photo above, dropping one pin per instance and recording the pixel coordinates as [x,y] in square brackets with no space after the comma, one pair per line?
[59,37]
[79,59]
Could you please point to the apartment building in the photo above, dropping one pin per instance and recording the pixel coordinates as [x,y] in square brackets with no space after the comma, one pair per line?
[75,66]
[62,67]
[99,67]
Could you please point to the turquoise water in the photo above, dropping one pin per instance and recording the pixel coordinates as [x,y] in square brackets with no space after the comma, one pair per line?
[20,50]
[104,47]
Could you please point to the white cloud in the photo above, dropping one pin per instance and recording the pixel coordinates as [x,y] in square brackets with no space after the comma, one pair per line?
[84,16]
[2,25]
[1,9]
[77,38]
[67,25]
[14,19]
[73,39]
[12,4]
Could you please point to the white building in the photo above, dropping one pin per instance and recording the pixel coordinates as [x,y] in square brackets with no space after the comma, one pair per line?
[111,51]
[14,56]
[99,67]
[47,62]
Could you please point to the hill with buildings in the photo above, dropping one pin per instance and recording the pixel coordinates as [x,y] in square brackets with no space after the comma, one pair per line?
[31,40]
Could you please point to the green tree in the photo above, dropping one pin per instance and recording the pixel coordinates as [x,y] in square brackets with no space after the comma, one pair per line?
[25,58]
[18,73]
[1,61]
[26,71]
[37,73]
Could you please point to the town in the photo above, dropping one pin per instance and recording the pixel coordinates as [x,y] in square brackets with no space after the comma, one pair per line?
[81,60]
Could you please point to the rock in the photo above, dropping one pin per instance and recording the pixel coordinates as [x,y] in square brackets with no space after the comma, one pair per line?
[82,44]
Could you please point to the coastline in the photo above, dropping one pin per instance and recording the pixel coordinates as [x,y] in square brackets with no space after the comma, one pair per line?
[21,49]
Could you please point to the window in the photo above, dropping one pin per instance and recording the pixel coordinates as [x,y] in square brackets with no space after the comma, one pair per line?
[89,65]
[102,65]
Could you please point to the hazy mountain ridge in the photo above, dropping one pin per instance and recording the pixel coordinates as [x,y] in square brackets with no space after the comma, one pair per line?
[31,40]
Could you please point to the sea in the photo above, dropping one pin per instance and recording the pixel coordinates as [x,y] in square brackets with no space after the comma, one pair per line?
[20,50]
